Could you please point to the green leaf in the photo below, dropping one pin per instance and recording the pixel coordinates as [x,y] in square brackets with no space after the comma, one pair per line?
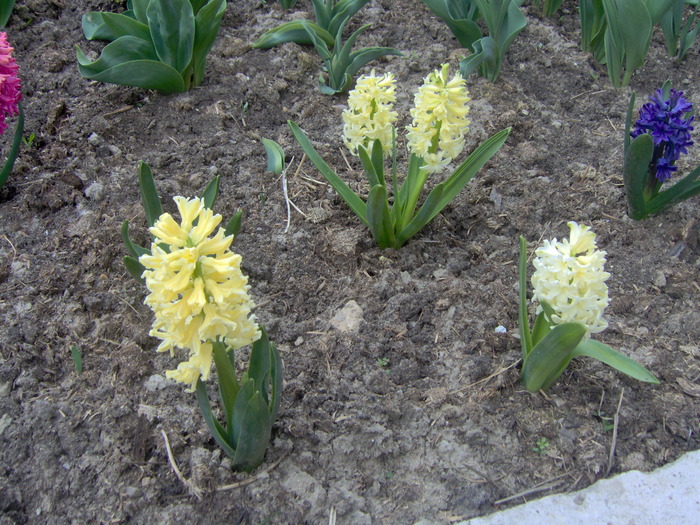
[254,435]
[342,11]
[275,156]
[485,56]
[379,218]
[627,38]
[228,384]
[210,192]
[135,268]
[373,177]
[549,358]
[134,249]
[139,8]
[233,226]
[217,431]
[444,192]
[292,32]
[171,23]
[131,61]
[460,19]
[541,328]
[6,7]
[206,22]
[615,359]
[359,59]
[110,26]
[523,323]
[636,173]
[687,187]
[149,194]
[356,204]
[14,150]
[77,359]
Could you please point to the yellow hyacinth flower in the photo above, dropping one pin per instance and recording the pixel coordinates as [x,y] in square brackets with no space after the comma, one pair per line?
[197,290]
[439,119]
[369,115]
[570,277]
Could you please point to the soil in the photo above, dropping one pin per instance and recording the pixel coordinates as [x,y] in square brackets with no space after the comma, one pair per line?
[411,411]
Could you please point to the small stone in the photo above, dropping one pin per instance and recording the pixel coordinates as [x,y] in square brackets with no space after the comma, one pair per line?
[348,319]
[155,382]
[659,279]
[95,191]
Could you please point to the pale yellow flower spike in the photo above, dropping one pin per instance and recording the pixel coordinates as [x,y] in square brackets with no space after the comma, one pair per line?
[570,277]
[369,115]
[439,119]
[197,290]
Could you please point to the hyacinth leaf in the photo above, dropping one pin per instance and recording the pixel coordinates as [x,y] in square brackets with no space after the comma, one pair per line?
[211,192]
[628,121]
[615,359]
[293,31]
[6,7]
[275,156]
[228,384]
[446,191]
[110,26]
[254,436]
[149,194]
[356,204]
[636,172]
[523,322]
[373,163]
[217,431]
[134,249]
[233,226]
[14,150]
[687,187]
[265,369]
[131,61]
[379,218]
[171,24]
[135,268]
[206,23]
[549,358]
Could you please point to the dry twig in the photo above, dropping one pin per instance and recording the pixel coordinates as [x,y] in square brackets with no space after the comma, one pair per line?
[616,420]
[194,489]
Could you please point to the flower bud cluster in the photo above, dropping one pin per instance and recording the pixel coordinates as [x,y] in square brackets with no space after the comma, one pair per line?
[369,115]
[570,277]
[662,118]
[197,290]
[10,94]
[439,119]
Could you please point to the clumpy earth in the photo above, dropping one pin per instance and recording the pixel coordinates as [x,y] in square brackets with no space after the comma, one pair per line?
[401,402]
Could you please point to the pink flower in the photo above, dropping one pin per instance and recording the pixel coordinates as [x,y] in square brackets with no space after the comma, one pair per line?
[10,94]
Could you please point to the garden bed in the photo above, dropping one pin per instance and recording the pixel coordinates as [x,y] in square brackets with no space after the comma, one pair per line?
[409,411]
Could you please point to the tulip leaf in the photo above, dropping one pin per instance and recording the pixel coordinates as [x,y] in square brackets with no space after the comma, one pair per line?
[233,226]
[275,156]
[228,385]
[206,22]
[171,23]
[293,31]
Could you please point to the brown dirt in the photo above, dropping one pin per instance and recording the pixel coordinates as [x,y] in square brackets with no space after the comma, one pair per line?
[444,430]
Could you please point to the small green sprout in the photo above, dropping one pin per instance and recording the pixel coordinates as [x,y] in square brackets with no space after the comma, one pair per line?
[77,359]
[541,446]
[383,361]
